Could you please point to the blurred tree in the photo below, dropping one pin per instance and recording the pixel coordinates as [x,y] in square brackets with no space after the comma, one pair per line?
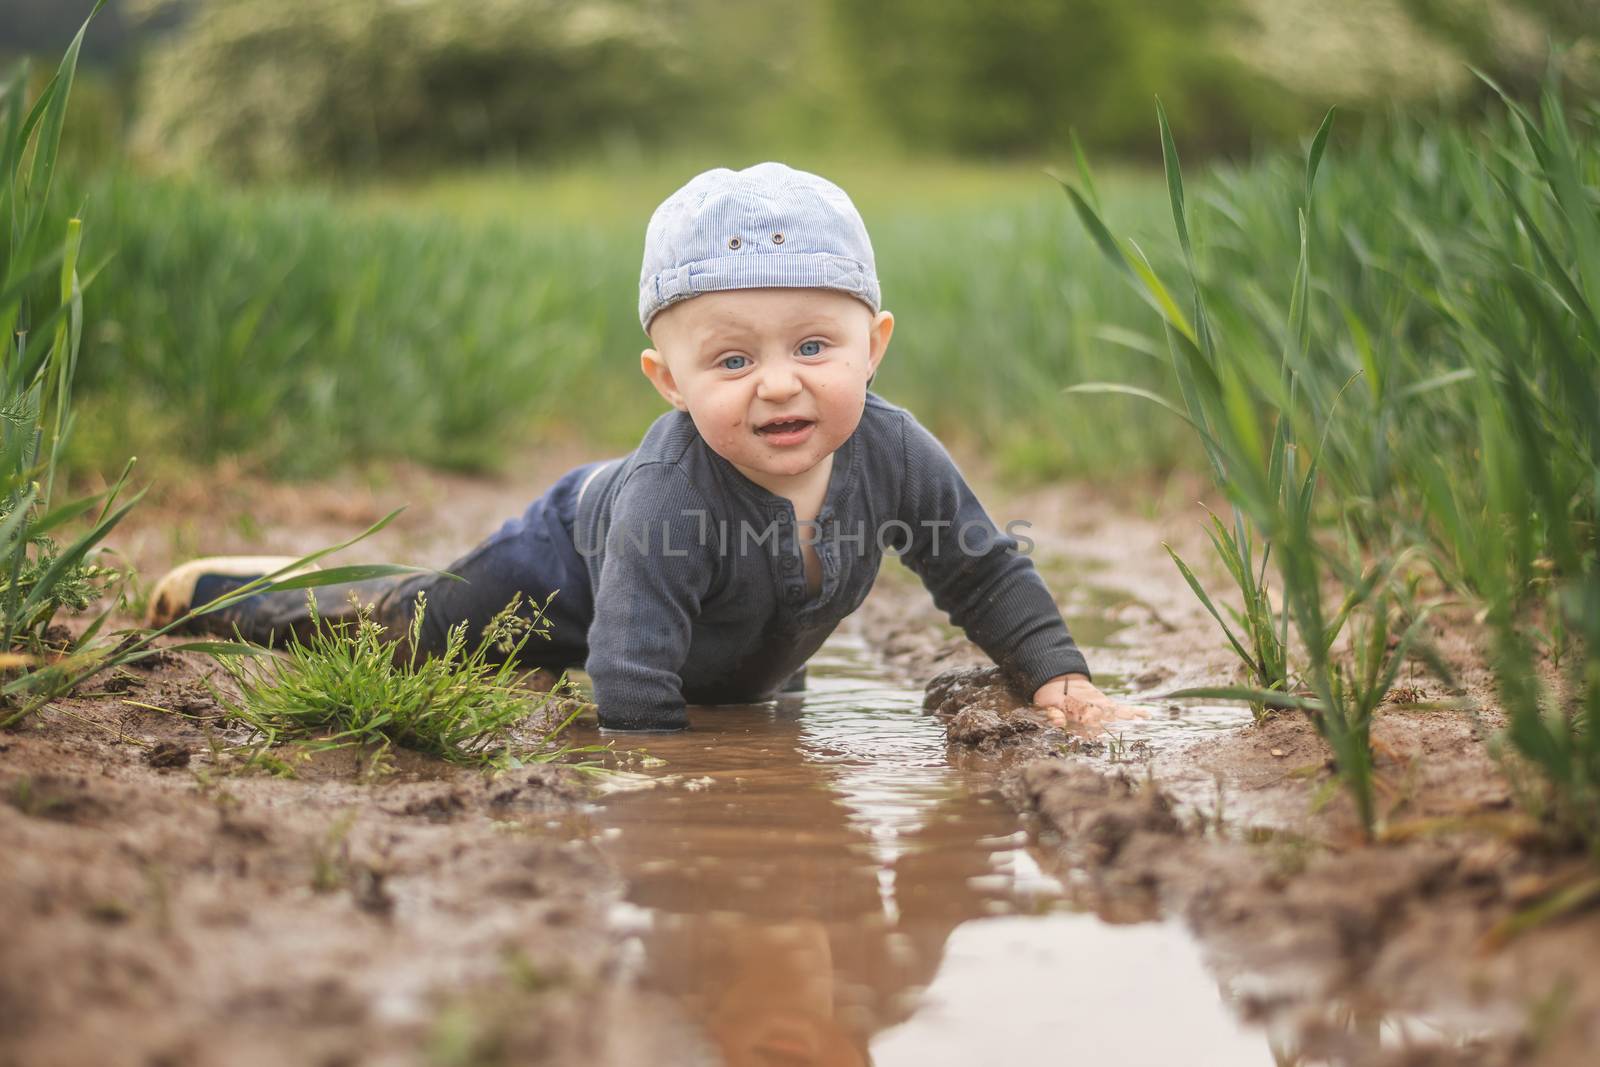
[771,79]
[1511,39]
[268,87]
[1016,76]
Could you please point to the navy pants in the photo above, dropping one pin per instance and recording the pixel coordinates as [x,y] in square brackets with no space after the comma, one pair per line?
[532,554]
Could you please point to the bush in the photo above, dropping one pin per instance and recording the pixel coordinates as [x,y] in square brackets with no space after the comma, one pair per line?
[1016,77]
[273,87]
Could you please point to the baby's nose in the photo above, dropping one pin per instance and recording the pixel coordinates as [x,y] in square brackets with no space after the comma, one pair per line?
[778,379]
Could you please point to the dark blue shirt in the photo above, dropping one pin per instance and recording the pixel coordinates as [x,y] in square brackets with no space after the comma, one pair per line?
[699,585]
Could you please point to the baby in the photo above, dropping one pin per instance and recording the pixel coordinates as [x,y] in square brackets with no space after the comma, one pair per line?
[706,566]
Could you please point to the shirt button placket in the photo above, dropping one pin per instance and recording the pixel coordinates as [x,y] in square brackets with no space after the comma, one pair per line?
[789,559]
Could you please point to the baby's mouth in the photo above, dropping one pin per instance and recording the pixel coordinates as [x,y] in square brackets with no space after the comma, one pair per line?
[786,433]
[779,427]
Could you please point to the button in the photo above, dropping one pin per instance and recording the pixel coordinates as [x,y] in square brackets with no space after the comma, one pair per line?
[783,518]
[734,243]
[790,563]
[777,238]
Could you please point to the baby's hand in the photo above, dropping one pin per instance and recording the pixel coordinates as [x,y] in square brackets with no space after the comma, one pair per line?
[1072,698]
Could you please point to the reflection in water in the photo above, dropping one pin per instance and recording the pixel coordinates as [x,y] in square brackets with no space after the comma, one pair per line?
[804,865]
[763,992]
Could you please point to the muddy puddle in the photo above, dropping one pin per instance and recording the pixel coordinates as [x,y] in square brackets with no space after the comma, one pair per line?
[817,881]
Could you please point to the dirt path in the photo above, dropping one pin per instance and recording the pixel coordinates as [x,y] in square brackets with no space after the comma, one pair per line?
[193,914]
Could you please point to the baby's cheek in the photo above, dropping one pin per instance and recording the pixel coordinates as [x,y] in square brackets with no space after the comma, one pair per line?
[726,436]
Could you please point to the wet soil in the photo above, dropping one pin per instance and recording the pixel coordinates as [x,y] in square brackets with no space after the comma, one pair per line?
[1346,952]
[163,903]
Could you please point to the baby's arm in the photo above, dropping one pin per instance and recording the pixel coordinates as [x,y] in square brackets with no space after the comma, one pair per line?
[648,593]
[989,588]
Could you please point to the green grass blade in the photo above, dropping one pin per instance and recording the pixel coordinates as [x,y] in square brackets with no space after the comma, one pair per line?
[1272,698]
[1319,144]
[1438,381]
[72,556]
[12,525]
[1174,174]
[1199,591]
[1084,174]
[1117,389]
[1160,297]
[55,116]
[1097,230]
[353,573]
[61,515]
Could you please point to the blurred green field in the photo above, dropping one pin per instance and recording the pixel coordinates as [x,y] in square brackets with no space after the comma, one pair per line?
[458,319]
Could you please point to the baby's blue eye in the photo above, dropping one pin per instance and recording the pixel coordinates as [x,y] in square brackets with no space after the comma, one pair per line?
[733,362]
[811,348]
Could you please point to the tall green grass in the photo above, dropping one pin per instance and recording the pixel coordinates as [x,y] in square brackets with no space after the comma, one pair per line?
[1228,379]
[41,330]
[42,326]
[1400,378]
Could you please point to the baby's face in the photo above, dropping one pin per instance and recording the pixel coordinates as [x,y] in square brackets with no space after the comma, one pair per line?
[775,379]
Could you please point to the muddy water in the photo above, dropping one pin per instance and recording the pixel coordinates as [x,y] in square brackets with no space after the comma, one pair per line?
[816,881]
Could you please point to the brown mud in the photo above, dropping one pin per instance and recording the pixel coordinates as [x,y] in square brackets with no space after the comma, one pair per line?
[1383,953]
[163,903]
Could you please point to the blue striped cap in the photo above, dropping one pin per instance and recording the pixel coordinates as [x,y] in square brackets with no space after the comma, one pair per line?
[766,225]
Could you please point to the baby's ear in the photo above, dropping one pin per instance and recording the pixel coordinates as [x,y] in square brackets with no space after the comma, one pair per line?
[654,366]
[878,335]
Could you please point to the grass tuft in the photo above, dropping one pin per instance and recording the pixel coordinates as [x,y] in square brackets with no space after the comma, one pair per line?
[353,684]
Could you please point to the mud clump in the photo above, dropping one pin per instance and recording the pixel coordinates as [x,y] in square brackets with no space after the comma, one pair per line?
[55,797]
[1341,909]
[964,687]
[441,803]
[165,755]
[532,790]
[980,707]
[1097,814]
[369,892]
[980,725]
[535,789]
